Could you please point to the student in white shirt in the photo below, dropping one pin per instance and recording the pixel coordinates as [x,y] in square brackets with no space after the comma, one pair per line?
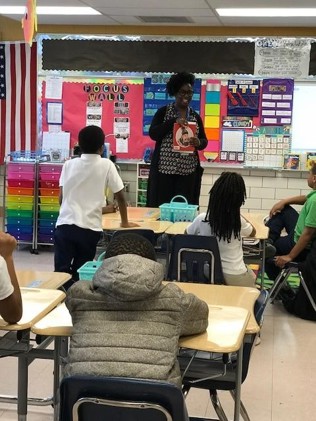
[223,220]
[82,184]
[10,295]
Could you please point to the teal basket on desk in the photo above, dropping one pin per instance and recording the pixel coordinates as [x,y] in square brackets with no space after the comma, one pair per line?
[177,211]
[87,270]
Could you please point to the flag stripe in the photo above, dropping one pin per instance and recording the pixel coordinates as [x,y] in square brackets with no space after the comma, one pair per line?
[18,110]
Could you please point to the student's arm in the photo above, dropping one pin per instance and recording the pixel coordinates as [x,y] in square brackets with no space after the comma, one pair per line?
[60,197]
[246,226]
[120,197]
[195,315]
[158,128]
[11,306]
[296,200]
[304,240]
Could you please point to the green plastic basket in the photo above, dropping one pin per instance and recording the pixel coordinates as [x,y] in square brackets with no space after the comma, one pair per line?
[87,270]
[178,211]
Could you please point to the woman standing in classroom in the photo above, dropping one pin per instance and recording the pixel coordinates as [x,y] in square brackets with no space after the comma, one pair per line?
[175,173]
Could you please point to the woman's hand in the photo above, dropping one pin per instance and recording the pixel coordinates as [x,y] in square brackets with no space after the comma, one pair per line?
[195,141]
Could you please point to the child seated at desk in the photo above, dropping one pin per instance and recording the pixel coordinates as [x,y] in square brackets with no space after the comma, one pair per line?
[126,323]
[10,295]
[223,220]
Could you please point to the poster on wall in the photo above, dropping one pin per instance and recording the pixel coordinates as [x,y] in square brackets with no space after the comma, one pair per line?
[277,101]
[116,106]
[243,98]
[156,96]
[279,57]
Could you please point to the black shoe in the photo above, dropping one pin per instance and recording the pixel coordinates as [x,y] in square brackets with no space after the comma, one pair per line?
[270,250]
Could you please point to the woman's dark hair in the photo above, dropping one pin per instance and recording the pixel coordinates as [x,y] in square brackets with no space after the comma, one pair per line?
[177,80]
[227,195]
[91,139]
[130,243]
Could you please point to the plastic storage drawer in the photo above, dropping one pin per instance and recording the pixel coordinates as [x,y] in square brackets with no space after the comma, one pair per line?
[49,199]
[49,176]
[49,192]
[50,168]
[20,199]
[44,238]
[19,221]
[20,183]
[13,168]
[19,229]
[15,191]
[10,213]
[49,184]
[20,206]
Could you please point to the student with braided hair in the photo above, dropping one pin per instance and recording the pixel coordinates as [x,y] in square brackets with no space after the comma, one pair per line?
[223,220]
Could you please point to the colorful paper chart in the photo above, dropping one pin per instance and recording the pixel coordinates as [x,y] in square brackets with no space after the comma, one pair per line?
[212,117]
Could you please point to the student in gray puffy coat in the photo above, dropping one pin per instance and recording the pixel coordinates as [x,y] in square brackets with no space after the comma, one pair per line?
[126,323]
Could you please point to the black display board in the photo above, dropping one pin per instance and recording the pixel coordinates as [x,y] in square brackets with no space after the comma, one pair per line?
[148,56]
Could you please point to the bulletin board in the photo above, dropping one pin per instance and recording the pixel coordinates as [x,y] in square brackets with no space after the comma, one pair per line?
[119,100]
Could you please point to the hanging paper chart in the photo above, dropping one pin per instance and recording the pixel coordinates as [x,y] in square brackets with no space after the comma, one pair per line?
[243,98]
[277,101]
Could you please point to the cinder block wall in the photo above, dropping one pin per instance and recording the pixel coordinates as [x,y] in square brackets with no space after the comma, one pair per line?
[264,187]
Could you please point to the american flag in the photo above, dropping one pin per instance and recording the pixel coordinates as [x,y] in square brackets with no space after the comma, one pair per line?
[18,98]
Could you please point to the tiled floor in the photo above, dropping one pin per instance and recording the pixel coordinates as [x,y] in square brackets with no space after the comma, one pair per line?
[280,384]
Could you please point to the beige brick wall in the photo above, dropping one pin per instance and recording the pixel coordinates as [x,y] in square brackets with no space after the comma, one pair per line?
[264,187]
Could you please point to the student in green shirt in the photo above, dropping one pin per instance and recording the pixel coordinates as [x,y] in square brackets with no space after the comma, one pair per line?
[300,228]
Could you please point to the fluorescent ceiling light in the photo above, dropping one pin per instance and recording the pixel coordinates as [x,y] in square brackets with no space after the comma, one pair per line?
[267,12]
[43,10]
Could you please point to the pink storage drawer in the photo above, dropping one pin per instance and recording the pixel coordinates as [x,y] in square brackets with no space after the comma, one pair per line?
[21,176]
[49,184]
[21,168]
[50,168]
[49,176]
[21,183]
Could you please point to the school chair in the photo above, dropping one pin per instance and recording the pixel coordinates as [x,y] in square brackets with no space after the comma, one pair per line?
[218,372]
[195,258]
[282,280]
[92,398]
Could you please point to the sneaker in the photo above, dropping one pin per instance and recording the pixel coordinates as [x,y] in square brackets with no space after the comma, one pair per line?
[266,219]
[270,250]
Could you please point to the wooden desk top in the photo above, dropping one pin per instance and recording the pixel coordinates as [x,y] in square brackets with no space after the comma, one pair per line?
[225,332]
[56,323]
[225,295]
[135,214]
[177,228]
[256,219]
[36,304]
[44,280]
[159,227]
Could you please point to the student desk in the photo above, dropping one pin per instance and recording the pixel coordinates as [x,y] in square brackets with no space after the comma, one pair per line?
[44,280]
[36,304]
[159,227]
[135,214]
[230,318]
[262,233]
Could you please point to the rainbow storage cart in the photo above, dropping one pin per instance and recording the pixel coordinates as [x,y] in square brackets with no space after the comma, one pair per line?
[20,197]
[48,201]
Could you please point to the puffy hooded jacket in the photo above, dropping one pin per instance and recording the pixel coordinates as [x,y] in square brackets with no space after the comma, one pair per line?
[126,323]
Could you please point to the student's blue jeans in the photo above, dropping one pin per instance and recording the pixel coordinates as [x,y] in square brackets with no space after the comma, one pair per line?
[287,220]
[74,246]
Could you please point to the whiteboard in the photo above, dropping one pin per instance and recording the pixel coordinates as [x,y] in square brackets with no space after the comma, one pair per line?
[304,117]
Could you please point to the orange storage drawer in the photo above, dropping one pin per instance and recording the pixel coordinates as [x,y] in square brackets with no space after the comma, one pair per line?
[20,191]
[49,192]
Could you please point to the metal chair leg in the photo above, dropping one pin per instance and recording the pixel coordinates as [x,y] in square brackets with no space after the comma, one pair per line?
[217,406]
[243,411]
